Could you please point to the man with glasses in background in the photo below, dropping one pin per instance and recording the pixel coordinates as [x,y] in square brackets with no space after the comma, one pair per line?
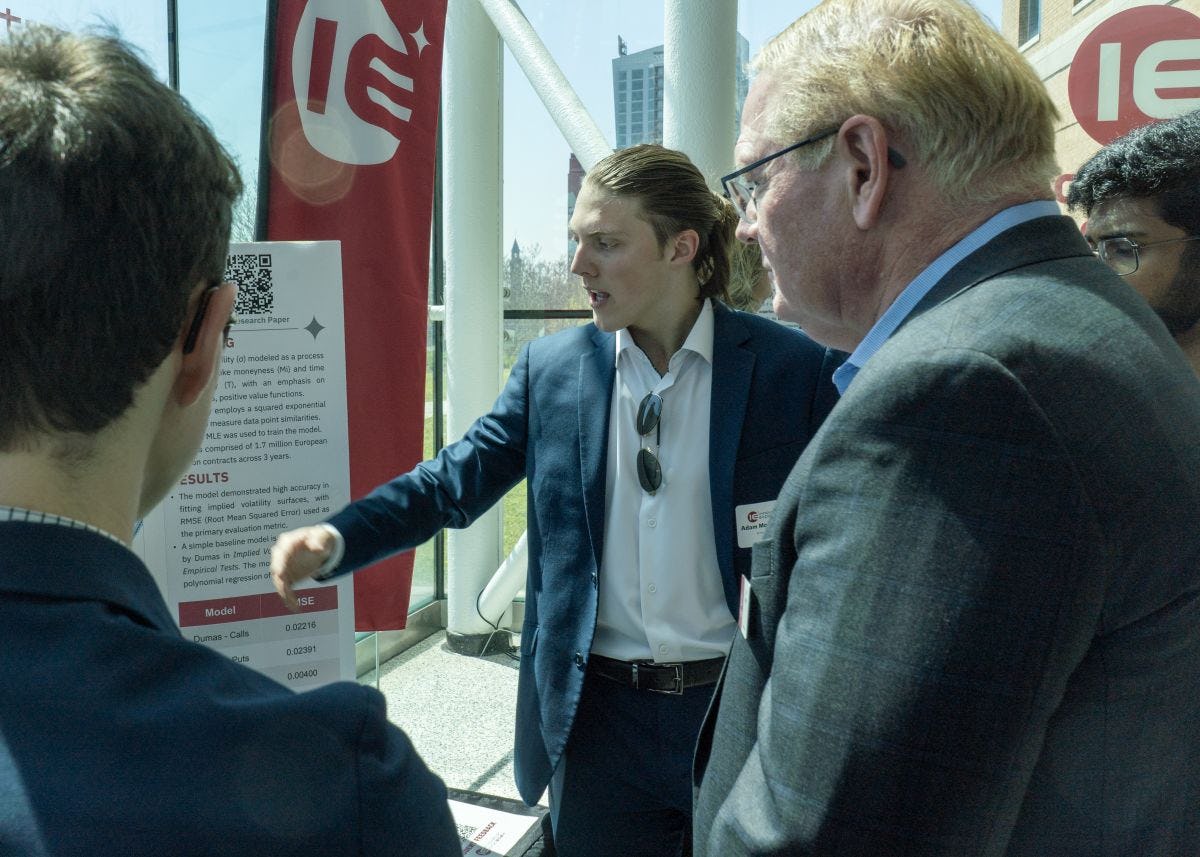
[1141,195]
[974,622]
[118,736]
[654,442]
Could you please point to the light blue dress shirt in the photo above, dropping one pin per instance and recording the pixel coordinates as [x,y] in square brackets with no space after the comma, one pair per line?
[927,279]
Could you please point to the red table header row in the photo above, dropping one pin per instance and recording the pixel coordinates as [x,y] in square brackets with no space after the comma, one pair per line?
[241,608]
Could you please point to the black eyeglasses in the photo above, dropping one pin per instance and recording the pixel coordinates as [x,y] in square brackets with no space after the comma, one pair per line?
[741,193]
[1121,253]
[189,341]
[649,416]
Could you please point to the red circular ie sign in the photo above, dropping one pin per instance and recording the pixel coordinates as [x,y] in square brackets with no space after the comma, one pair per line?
[1138,66]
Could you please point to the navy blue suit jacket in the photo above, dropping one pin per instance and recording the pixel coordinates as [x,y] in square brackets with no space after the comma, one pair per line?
[118,736]
[770,390]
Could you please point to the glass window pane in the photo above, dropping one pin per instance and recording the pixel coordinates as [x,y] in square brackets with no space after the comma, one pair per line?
[220,73]
[140,22]
[1029,20]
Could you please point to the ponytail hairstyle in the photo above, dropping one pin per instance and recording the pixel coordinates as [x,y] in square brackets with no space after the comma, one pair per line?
[674,197]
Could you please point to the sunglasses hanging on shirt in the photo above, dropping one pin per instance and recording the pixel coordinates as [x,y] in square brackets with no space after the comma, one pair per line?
[649,416]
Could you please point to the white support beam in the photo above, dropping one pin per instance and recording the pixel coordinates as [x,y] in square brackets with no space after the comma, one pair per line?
[700,65]
[472,89]
[582,133]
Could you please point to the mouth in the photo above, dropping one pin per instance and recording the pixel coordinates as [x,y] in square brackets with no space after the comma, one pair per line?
[596,298]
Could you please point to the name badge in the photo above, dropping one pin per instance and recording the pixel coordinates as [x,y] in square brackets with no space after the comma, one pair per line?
[751,520]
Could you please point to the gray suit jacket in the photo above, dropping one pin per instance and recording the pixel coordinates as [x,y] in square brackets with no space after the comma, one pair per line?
[975,625]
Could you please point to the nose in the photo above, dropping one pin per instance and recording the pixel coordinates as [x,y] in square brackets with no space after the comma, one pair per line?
[578,262]
[747,233]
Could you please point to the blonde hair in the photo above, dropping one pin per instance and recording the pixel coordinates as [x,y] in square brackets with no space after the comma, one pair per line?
[746,275]
[966,105]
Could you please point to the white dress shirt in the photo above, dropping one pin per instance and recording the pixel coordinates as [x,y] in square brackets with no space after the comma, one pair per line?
[661,596]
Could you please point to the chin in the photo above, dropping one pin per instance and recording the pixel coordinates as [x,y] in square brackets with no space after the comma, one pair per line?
[607,325]
[784,310]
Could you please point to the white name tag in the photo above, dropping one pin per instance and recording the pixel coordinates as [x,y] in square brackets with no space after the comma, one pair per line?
[751,520]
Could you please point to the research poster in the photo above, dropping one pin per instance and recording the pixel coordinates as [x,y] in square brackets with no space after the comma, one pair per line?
[275,456]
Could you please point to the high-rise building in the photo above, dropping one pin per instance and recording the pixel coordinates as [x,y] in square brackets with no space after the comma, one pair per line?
[638,103]
[638,92]
[574,183]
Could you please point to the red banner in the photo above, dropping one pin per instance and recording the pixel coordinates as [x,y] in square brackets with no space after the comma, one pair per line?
[352,93]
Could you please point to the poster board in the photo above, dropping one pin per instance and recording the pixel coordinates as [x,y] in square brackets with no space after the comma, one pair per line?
[275,456]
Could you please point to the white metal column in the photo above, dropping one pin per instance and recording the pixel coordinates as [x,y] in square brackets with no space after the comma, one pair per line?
[578,127]
[700,64]
[472,89]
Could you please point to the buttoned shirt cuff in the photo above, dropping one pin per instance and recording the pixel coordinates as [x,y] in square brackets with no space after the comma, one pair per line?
[329,566]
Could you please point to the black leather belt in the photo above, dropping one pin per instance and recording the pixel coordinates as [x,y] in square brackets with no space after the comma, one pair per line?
[660,678]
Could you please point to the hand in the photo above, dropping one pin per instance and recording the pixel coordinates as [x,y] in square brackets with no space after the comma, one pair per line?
[296,556]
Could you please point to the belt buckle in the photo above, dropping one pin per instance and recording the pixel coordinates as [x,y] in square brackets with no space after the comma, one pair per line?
[676,688]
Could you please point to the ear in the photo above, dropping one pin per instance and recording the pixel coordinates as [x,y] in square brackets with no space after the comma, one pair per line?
[682,248]
[198,367]
[863,144]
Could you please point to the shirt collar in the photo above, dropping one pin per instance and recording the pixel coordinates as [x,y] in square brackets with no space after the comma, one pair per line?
[699,338]
[928,278]
[33,516]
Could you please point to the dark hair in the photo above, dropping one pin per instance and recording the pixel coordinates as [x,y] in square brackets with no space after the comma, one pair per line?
[115,202]
[674,197]
[1159,161]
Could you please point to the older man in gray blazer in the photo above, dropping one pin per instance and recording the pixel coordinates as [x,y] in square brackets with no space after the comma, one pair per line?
[974,628]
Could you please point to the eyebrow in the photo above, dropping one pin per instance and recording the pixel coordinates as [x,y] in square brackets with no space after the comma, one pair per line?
[594,233]
[1134,234]
[745,171]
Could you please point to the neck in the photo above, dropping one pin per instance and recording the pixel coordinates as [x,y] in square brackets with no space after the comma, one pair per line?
[662,340]
[919,245]
[101,492]
[1189,341]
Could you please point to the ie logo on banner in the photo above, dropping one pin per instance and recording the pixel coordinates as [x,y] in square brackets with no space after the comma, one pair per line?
[353,68]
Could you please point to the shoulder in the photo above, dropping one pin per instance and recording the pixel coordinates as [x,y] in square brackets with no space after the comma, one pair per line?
[550,356]
[1050,311]
[351,744]
[582,338]
[763,335]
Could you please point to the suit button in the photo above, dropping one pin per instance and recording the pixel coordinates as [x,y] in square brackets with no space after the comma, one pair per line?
[578,659]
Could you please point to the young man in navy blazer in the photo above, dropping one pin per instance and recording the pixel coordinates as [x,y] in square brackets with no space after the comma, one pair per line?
[652,440]
[117,736]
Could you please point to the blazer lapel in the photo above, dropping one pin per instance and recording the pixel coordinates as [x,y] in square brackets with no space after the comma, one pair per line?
[1039,240]
[732,369]
[597,369]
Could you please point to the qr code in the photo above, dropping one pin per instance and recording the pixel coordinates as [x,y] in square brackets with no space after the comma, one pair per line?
[256,288]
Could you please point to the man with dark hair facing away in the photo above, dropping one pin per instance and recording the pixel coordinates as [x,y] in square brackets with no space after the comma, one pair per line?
[1141,195]
[117,736]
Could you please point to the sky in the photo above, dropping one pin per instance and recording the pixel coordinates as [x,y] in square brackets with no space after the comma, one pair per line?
[143,22]
[221,72]
[581,35]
